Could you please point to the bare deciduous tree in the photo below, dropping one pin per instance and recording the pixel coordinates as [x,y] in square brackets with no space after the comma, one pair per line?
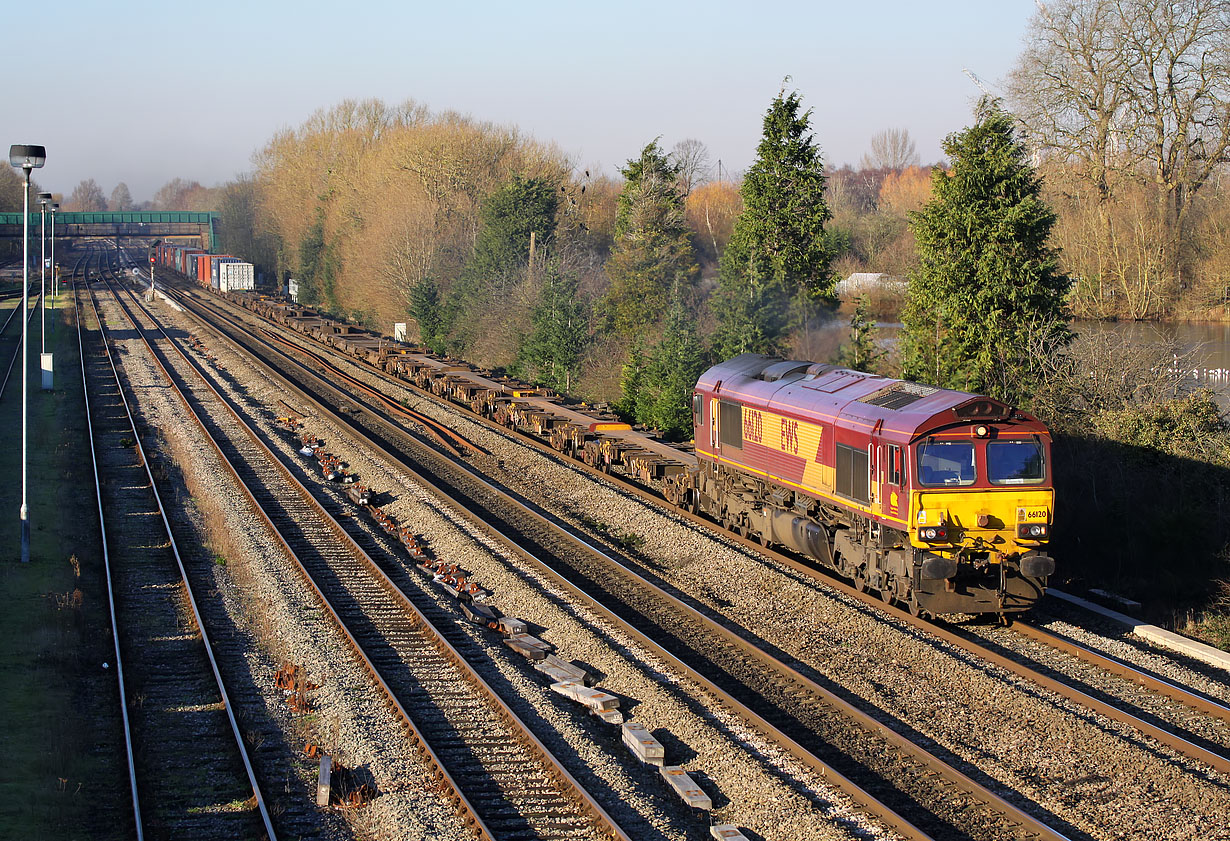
[691,158]
[121,199]
[1125,93]
[711,210]
[891,148]
[87,196]
[1068,87]
[178,194]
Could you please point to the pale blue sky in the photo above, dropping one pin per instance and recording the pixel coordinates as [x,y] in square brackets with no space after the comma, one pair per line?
[146,92]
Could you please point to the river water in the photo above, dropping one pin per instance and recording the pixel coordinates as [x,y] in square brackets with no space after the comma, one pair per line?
[1208,343]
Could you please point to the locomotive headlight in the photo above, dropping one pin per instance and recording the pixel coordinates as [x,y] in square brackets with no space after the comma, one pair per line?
[933,534]
[982,431]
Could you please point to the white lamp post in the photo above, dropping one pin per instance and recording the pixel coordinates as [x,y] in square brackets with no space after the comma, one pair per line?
[26,158]
[44,199]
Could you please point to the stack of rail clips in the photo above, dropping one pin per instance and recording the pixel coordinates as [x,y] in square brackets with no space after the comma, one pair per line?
[452,579]
[330,465]
[359,494]
[309,444]
[292,680]
[567,679]
[383,520]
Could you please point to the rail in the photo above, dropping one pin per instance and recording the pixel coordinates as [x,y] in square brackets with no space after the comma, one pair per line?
[470,815]
[191,597]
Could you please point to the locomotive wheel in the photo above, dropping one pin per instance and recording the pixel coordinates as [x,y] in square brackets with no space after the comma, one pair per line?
[916,609]
[886,593]
[861,583]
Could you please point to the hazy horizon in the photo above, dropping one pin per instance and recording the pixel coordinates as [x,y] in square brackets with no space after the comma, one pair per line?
[194,93]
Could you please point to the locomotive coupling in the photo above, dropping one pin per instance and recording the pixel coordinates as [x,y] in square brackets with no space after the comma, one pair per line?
[1037,565]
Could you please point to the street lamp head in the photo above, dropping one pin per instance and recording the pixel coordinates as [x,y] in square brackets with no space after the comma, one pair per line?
[44,198]
[27,157]
[55,205]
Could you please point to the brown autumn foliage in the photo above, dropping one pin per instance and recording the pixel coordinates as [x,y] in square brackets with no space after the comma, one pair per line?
[906,191]
[711,210]
[370,199]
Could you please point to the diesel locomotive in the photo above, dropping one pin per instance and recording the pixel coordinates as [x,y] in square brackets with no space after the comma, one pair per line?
[939,500]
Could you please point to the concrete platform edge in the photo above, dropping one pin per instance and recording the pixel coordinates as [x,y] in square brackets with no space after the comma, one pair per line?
[1152,633]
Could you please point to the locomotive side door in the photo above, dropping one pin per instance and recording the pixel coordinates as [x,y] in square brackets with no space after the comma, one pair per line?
[874,478]
[892,472]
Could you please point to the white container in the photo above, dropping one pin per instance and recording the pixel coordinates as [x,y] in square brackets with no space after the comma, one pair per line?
[234,277]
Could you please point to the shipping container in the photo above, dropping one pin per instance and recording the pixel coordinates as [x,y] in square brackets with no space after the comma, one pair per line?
[200,268]
[184,258]
[215,261]
[236,276]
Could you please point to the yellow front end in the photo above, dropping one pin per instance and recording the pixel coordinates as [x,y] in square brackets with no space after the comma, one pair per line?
[1007,521]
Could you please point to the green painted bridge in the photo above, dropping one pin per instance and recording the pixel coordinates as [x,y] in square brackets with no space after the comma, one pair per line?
[152,223]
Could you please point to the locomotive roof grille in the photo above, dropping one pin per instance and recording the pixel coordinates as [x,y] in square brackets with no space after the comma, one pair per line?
[898,395]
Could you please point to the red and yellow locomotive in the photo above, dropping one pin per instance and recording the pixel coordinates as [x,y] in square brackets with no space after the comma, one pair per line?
[937,499]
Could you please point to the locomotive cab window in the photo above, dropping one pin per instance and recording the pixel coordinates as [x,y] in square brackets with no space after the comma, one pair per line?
[894,464]
[1015,462]
[698,408]
[730,423]
[947,463]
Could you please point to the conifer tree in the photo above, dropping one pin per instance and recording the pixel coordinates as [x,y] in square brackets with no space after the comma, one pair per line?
[631,383]
[678,359]
[861,353]
[521,207]
[653,246]
[987,297]
[425,309]
[514,211]
[551,353]
[775,271]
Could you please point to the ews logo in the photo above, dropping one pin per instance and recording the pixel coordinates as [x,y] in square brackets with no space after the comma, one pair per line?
[790,436]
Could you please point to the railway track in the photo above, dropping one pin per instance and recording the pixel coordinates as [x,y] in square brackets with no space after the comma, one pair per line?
[503,780]
[190,774]
[925,796]
[14,338]
[1066,685]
